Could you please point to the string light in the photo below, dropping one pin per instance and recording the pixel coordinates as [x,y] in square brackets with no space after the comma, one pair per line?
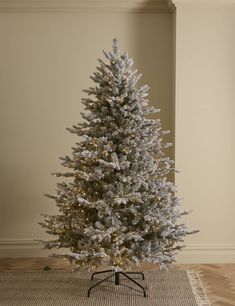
[116,124]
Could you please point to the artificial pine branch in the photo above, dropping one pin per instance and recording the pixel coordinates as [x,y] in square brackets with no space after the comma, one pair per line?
[119,207]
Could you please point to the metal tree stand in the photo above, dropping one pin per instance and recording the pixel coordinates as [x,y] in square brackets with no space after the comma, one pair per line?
[117,279]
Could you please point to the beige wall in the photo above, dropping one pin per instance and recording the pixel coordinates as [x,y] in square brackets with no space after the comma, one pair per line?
[205,125]
[45,62]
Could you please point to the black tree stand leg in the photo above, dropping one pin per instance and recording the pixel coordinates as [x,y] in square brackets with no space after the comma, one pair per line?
[135,282]
[97,284]
[99,272]
[117,279]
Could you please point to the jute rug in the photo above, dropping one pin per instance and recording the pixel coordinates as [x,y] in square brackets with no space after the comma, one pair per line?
[177,288]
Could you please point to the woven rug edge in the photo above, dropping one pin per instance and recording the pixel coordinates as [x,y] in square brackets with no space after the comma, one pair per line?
[198,289]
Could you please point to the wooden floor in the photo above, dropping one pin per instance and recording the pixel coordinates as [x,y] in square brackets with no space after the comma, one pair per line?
[218,279]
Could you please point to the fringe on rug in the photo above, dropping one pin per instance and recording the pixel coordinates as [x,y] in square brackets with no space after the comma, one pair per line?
[197,288]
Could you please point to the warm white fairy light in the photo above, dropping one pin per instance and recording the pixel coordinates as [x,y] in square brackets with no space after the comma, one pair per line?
[119,207]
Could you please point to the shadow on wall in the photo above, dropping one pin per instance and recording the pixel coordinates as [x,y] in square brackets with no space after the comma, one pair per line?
[155,62]
[46,62]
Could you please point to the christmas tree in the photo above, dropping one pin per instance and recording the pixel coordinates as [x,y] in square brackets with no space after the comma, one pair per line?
[118,207]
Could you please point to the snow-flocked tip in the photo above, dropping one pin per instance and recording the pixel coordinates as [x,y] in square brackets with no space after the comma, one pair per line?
[115,46]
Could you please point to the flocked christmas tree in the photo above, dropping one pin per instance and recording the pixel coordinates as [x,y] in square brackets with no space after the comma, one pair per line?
[118,207]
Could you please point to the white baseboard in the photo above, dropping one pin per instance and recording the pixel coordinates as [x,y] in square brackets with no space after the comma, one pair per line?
[200,253]
[191,254]
[21,248]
